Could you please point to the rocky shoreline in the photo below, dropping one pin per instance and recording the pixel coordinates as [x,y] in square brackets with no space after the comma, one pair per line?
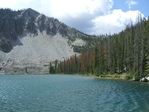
[122,77]
[145,79]
[24,67]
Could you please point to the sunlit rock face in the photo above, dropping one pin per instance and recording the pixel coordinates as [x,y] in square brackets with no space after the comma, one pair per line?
[30,40]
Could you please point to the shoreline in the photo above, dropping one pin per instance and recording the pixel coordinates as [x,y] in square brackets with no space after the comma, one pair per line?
[112,78]
[123,77]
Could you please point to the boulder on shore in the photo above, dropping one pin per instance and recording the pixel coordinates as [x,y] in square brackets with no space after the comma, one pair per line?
[144,79]
[147,78]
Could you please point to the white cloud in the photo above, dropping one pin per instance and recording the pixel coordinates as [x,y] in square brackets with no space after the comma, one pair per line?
[114,22]
[13,3]
[61,8]
[77,8]
[130,3]
[89,16]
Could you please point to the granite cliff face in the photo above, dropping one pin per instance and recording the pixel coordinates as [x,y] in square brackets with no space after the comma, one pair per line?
[30,40]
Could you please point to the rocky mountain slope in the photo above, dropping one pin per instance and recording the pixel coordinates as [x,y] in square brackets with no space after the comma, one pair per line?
[30,40]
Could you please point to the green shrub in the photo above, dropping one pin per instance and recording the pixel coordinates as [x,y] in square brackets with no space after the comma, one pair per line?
[137,78]
[117,76]
[128,77]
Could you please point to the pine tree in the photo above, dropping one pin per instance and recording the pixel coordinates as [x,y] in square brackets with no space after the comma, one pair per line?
[96,66]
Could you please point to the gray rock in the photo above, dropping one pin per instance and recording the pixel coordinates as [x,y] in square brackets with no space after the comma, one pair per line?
[147,78]
[13,24]
[5,45]
[144,80]
[28,37]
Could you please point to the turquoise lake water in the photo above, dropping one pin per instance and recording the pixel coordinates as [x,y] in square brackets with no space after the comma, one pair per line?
[71,93]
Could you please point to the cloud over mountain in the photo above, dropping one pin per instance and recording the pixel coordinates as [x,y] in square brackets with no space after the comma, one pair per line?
[115,22]
[84,15]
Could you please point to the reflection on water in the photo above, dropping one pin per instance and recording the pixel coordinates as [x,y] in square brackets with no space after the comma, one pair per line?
[69,93]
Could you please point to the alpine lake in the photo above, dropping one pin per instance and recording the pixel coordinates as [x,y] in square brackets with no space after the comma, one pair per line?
[71,93]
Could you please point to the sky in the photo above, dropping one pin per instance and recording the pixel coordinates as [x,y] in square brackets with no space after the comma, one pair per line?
[96,17]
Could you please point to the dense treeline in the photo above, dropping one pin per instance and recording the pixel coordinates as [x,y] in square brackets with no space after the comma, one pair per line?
[126,52]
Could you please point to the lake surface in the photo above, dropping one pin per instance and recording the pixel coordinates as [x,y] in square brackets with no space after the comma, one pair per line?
[71,93]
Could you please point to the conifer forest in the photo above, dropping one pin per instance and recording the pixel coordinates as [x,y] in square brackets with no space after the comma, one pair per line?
[126,52]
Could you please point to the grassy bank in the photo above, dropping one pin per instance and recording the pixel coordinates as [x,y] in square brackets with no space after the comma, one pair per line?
[123,76]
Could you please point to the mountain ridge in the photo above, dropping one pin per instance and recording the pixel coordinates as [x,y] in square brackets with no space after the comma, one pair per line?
[29,38]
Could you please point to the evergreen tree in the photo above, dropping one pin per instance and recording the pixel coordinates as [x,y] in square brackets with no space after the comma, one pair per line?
[127,52]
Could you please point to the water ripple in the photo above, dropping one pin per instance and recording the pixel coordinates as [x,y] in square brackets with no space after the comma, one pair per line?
[68,93]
